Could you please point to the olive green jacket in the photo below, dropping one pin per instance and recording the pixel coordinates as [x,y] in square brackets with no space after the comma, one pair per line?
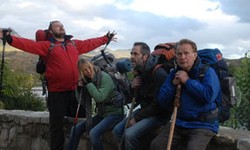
[102,93]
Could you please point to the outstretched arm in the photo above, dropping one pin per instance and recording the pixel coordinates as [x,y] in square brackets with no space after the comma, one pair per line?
[85,46]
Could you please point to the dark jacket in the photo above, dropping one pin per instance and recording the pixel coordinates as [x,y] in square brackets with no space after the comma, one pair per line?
[61,71]
[147,93]
[198,96]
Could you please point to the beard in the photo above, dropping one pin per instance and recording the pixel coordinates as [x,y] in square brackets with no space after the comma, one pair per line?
[59,35]
[138,69]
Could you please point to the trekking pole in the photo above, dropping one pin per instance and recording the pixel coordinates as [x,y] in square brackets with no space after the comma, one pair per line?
[102,51]
[136,73]
[88,115]
[176,105]
[88,107]
[130,112]
[76,115]
[4,31]
[104,55]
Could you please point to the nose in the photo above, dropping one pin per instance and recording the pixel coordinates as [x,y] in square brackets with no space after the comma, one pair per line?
[132,57]
[89,72]
[61,28]
[182,56]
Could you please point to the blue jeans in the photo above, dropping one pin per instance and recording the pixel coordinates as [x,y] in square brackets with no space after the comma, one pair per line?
[133,134]
[99,126]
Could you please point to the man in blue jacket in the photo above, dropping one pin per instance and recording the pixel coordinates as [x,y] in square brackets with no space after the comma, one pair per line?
[197,118]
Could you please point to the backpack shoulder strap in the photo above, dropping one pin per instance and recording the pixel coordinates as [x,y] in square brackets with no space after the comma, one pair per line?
[52,45]
[73,42]
[155,68]
[98,77]
[203,70]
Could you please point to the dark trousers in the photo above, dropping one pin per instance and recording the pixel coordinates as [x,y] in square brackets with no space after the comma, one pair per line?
[183,139]
[58,105]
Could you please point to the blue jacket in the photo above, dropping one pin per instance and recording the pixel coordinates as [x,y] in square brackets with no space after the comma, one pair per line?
[197,96]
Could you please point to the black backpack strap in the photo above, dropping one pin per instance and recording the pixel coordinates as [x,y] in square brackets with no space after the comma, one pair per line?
[73,42]
[100,106]
[98,73]
[105,57]
[52,45]
[203,70]
[155,68]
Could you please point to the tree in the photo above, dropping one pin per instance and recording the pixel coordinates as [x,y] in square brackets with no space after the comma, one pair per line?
[243,79]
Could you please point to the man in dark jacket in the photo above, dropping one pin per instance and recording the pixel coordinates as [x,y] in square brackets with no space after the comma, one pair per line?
[150,115]
[197,118]
[61,71]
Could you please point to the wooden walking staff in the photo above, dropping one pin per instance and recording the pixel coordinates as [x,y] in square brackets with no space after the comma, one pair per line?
[176,105]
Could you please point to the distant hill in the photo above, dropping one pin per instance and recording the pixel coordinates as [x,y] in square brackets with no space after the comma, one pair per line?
[23,61]
[20,61]
[117,53]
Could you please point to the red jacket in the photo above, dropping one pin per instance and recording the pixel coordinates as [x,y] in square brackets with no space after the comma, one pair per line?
[61,70]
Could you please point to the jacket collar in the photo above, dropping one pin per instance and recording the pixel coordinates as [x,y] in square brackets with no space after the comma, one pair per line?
[66,38]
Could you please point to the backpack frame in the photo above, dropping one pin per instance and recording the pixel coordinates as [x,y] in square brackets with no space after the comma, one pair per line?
[108,63]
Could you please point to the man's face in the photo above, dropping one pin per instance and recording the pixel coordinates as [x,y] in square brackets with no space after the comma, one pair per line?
[58,29]
[137,58]
[185,56]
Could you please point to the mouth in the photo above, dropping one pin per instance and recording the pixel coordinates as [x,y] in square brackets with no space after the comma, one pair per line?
[133,64]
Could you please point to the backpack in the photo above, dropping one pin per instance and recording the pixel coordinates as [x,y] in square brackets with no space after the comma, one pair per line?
[44,35]
[118,72]
[214,59]
[166,53]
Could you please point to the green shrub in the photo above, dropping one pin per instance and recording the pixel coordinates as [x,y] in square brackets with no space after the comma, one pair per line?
[17,91]
[1,105]
[243,79]
[240,117]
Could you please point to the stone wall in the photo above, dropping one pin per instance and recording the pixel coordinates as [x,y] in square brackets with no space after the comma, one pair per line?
[28,130]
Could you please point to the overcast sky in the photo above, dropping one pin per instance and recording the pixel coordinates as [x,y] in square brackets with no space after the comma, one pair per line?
[223,24]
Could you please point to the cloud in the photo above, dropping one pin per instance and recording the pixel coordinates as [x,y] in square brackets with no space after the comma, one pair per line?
[239,8]
[210,23]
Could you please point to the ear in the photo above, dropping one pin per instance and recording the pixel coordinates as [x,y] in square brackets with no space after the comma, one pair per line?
[145,57]
[195,55]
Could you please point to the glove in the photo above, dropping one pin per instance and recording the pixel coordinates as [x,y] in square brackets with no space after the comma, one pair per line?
[6,35]
[87,80]
[110,35]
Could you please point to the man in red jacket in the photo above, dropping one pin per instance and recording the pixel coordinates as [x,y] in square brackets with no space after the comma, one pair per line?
[61,70]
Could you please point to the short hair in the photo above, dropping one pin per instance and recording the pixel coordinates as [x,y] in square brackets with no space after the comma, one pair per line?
[145,50]
[51,23]
[187,41]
